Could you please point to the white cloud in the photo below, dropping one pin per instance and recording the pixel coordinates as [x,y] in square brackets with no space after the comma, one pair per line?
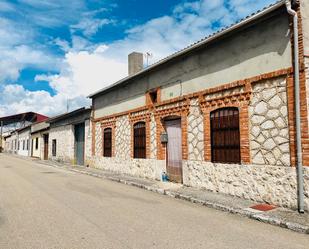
[90,26]
[85,72]
[88,67]
[17,100]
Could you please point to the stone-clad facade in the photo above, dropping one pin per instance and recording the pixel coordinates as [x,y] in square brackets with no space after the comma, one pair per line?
[189,91]
[64,143]
[269,130]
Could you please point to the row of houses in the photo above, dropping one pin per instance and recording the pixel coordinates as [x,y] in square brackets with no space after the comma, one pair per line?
[61,138]
[228,114]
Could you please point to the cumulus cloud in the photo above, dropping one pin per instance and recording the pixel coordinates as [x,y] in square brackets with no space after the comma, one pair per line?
[87,66]
[90,26]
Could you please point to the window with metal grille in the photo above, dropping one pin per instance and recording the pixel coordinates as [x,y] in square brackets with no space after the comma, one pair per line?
[54,147]
[107,142]
[225,138]
[139,140]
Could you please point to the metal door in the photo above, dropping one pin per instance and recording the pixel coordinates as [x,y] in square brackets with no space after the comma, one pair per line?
[174,150]
[79,143]
[45,146]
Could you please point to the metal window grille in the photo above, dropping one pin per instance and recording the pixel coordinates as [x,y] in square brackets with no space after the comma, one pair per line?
[107,151]
[140,140]
[225,137]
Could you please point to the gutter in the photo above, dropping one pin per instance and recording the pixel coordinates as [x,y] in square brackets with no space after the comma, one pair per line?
[300,177]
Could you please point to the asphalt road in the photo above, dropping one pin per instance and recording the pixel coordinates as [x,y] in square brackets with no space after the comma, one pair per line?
[45,207]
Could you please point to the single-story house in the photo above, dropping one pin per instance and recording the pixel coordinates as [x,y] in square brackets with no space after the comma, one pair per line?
[221,114]
[40,139]
[69,137]
[23,141]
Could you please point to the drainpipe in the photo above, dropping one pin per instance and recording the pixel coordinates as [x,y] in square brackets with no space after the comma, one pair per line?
[300,179]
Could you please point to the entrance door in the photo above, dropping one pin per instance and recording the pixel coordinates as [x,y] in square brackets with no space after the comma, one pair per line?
[45,146]
[174,150]
[79,143]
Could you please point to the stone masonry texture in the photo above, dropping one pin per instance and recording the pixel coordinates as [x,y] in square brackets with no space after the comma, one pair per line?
[269,132]
[123,137]
[195,132]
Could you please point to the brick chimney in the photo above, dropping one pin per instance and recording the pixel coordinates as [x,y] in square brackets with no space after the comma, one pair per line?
[135,61]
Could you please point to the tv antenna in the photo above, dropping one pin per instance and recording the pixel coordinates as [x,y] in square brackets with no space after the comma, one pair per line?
[148,56]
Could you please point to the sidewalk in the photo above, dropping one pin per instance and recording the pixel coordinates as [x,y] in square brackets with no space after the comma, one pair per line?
[282,217]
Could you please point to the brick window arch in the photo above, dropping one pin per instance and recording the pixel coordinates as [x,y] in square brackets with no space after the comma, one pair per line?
[225,136]
[107,142]
[139,140]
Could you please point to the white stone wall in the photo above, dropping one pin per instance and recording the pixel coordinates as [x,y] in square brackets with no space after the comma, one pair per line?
[195,132]
[153,138]
[88,141]
[143,168]
[262,183]
[269,132]
[65,143]
[123,138]
[98,139]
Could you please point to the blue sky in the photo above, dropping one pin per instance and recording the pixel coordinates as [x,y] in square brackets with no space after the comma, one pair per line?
[54,51]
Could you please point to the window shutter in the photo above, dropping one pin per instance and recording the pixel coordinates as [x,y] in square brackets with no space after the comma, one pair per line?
[107,141]
[140,140]
[225,138]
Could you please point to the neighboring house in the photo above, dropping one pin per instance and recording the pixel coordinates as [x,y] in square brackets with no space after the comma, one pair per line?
[70,136]
[23,141]
[10,124]
[40,139]
[217,115]
[11,142]
[8,146]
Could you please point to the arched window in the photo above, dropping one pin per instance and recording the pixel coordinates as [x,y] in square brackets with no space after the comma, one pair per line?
[225,138]
[107,142]
[139,140]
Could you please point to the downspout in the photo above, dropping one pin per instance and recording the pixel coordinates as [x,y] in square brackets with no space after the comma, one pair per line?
[300,179]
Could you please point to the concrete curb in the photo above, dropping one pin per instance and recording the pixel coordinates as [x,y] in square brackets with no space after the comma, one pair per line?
[265,218]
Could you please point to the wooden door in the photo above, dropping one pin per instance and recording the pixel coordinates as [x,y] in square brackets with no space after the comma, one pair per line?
[79,143]
[45,146]
[174,150]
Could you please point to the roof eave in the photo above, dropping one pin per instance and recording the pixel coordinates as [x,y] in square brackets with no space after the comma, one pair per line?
[213,37]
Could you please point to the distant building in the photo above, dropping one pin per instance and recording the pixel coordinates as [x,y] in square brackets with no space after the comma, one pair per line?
[23,141]
[69,137]
[9,124]
[39,138]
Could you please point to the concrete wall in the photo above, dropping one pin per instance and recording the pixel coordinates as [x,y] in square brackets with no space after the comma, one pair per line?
[305,21]
[261,48]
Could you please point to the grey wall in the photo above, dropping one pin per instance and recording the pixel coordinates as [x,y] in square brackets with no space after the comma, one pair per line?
[39,126]
[305,21]
[261,48]
[81,117]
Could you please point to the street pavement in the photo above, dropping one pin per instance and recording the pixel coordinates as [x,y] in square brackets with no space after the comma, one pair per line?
[47,207]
